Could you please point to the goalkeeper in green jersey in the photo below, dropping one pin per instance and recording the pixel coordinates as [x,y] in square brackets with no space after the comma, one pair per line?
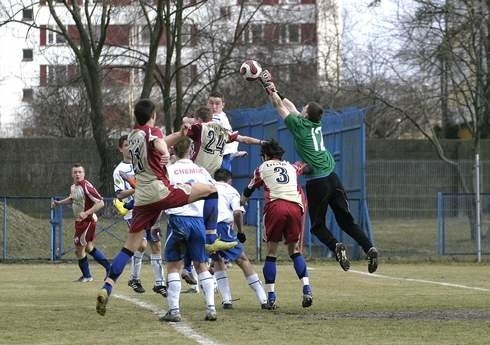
[323,187]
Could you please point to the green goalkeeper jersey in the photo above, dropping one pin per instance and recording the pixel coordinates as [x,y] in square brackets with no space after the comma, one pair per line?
[308,142]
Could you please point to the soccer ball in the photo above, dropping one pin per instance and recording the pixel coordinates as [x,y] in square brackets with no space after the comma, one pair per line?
[250,70]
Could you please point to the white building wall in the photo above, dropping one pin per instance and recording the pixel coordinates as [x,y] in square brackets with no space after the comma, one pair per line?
[16,75]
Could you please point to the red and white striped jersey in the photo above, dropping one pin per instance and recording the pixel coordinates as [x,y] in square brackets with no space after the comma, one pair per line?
[83,195]
[151,175]
[209,142]
[279,179]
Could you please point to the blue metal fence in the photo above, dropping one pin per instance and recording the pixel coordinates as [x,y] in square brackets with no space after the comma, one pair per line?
[456,224]
[344,135]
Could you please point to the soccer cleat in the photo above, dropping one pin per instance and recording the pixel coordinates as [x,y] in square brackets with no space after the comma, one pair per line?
[227,305]
[83,279]
[210,315]
[220,245]
[341,256]
[307,300]
[135,284]
[160,289]
[188,277]
[171,316]
[372,256]
[119,205]
[102,299]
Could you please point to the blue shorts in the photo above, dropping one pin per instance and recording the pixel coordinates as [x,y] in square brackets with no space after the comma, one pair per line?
[227,234]
[185,234]
[226,163]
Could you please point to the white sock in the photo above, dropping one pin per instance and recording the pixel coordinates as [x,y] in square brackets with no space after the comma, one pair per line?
[256,285]
[196,277]
[207,286]
[136,265]
[156,264]
[223,285]
[174,285]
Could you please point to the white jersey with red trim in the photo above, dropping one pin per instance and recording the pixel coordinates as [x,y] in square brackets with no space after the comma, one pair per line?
[209,141]
[151,175]
[83,195]
[280,180]
[185,171]
[228,202]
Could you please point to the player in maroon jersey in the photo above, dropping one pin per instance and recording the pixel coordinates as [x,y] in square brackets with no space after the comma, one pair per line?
[153,192]
[85,200]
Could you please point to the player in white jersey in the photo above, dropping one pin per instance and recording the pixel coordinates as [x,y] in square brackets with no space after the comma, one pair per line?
[216,103]
[230,213]
[283,215]
[186,233]
[123,177]
[85,200]
[153,192]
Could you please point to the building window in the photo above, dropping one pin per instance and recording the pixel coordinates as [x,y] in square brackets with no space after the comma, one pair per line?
[57,74]
[253,33]
[27,95]
[55,37]
[144,36]
[27,54]
[225,12]
[289,33]
[27,14]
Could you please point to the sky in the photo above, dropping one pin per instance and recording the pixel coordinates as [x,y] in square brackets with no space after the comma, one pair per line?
[366,24]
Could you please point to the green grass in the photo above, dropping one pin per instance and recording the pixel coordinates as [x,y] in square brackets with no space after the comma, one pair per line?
[40,305]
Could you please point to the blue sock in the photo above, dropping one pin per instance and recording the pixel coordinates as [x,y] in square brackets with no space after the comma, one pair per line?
[119,262]
[269,270]
[101,259]
[83,264]
[108,288]
[299,265]
[187,262]
[271,296]
[306,289]
[210,238]
[210,214]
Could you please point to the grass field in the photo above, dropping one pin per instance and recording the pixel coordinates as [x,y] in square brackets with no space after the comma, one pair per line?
[429,303]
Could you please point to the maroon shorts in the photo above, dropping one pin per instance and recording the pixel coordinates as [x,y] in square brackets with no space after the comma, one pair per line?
[84,232]
[283,219]
[145,216]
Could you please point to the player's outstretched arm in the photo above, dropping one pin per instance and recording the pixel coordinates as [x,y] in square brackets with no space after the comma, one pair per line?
[173,138]
[290,106]
[248,140]
[278,103]
[65,201]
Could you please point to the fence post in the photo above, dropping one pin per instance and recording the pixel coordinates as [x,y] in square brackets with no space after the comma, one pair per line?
[258,237]
[440,224]
[4,245]
[478,207]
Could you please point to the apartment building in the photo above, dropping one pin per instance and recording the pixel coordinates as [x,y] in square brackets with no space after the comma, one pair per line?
[297,36]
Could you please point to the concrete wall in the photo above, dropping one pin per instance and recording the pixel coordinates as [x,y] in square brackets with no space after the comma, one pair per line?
[41,166]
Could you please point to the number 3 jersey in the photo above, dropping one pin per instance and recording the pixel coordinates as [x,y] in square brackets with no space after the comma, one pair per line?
[280,181]
[209,141]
